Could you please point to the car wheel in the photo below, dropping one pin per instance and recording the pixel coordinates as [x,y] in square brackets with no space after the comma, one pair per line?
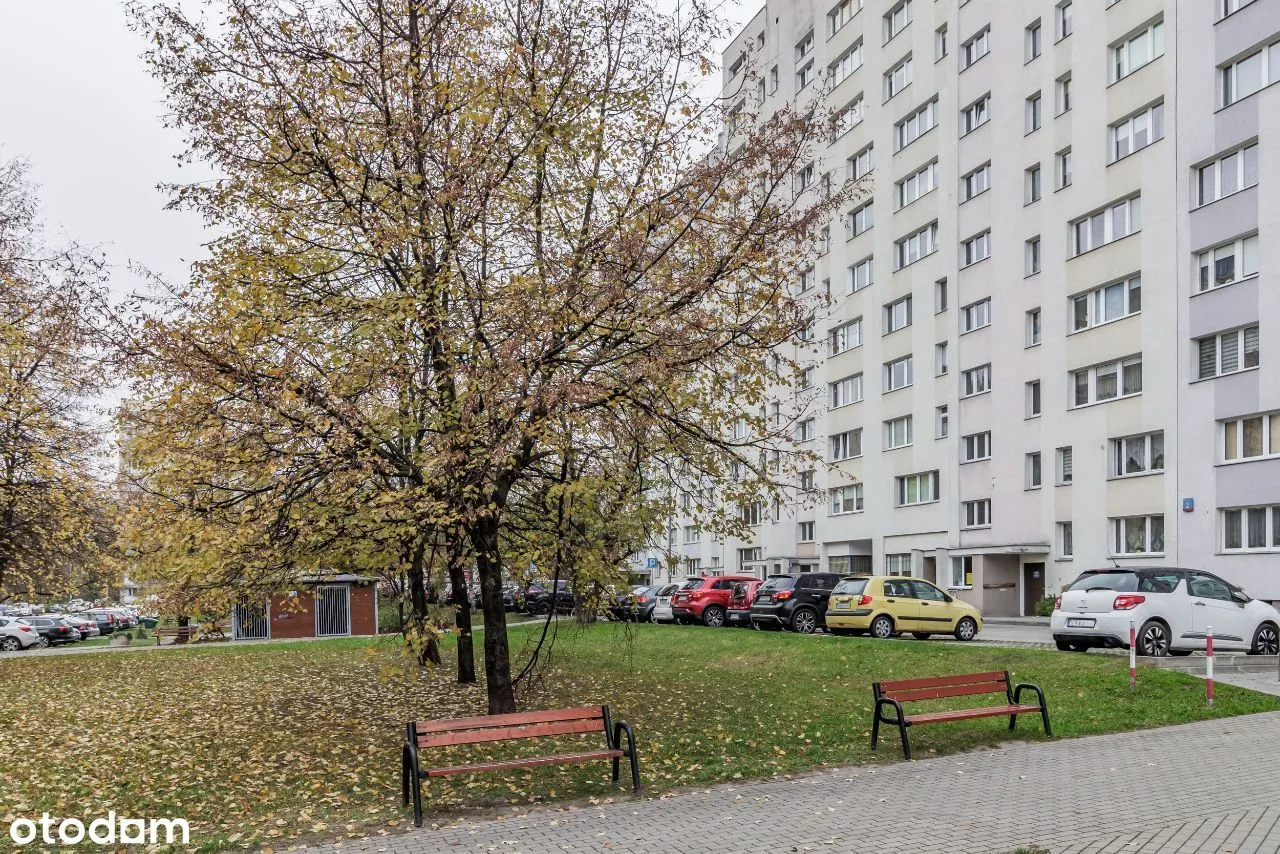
[921,635]
[1153,639]
[713,617]
[542,609]
[43,643]
[882,627]
[966,629]
[10,645]
[1266,641]
[804,622]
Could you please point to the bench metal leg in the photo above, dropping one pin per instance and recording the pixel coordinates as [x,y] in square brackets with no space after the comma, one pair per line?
[633,755]
[899,719]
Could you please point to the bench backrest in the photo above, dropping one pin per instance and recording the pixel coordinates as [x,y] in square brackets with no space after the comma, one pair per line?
[939,687]
[486,728]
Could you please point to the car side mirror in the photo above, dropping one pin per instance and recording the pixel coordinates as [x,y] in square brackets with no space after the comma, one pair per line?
[1240,597]
[948,598]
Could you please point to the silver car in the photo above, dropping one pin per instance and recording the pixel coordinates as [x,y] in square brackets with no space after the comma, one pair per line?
[662,611]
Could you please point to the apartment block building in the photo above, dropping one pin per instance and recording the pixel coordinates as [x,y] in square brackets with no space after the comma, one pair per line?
[1047,342]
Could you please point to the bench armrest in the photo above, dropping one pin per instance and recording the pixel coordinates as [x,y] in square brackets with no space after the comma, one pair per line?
[1027,686]
[620,727]
[881,702]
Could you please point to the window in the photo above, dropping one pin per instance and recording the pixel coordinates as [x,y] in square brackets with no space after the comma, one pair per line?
[1251,438]
[806,332]
[804,534]
[1137,454]
[1033,255]
[804,76]
[915,125]
[898,564]
[804,177]
[1064,94]
[1137,132]
[846,445]
[1137,50]
[861,219]
[746,556]
[1035,113]
[1032,41]
[692,566]
[846,499]
[1031,185]
[1221,354]
[977,514]
[861,275]
[1251,529]
[847,119]
[897,78]
[692,534]
[916,488]
[961,575]
[896,19]
[975,249]
[844,337]
[846,391]
[824,236]
[849,62]
[917,184]
[1137,535]
[859,164]
[939,296]
[1106,382]
[1064,168]
[1033,398]
[913,247]
[842,14]
[975,381]
[1107,303]
[940,359]
[806,377]
[773,80]
[805,430]
[976,182]
[737,65]
[752,514]
[1228,263]
[1062,18]
[897,315]
[1064,466]
[975,115]
[1242,78]
[898,374]
[897,433]
[805,46]
[1066,546]
[943,425]
[940,42]
[975,315]
[1033,327]
[1229,174]
[1111,223]
[1228,7]
[808,278]
[977,446]
[978,46]
[1033,470]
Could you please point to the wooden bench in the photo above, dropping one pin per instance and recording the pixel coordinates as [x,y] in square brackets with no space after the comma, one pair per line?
[455,731]
[180,634]
[891,695]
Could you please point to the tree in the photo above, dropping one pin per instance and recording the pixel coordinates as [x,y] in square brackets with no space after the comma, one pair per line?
[55,516]
[458,239]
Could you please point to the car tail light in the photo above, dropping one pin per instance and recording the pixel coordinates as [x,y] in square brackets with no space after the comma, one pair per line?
[24,628]
[642,599]
[1127,602]
[782,596]
[864,599]
[1057,603]
[695,595]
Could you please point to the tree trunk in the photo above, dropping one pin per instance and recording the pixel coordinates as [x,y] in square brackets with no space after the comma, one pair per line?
[418,599]
[462,620]
[497,655]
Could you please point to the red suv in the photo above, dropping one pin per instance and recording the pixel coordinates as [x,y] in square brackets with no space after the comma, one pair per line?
[705,599]
[740,598]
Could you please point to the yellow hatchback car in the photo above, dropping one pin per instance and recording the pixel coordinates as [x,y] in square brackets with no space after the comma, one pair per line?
[887,605]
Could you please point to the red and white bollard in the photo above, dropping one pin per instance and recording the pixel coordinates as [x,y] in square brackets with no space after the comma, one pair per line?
[1133,656]
[1208,661]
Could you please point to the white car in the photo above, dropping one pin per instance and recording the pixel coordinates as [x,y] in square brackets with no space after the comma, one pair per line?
[1172,610]
[16,635]
[662,611]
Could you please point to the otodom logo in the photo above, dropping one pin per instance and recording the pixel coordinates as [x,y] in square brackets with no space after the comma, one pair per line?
[110,830]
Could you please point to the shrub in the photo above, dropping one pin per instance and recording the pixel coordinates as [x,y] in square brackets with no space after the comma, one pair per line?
[1044,608]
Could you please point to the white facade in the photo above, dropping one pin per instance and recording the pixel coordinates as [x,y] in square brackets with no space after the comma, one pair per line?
[1092,269]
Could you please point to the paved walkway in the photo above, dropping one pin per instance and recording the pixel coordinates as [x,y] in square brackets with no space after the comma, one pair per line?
[1202,788]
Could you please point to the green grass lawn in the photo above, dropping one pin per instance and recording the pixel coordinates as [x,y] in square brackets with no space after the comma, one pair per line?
[274,742]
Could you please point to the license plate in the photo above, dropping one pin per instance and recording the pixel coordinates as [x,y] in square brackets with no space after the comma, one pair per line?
[842,606]
[1080,623]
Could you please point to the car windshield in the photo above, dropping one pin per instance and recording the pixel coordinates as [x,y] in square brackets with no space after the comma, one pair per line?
[850,587]
[778,582]
[1120,581]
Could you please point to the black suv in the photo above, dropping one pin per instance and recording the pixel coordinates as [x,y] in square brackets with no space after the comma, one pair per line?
[538,598]
[797,601]
[53,630]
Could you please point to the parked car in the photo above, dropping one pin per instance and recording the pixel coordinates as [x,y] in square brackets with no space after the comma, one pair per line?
[538,598]
[740,597]
[705,599]
[107,622]
[512,597]
[887,605]
[636,605]
[662,610]
[16,635]
[797,601]
[1172,610]
[52,630]
[86,627]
